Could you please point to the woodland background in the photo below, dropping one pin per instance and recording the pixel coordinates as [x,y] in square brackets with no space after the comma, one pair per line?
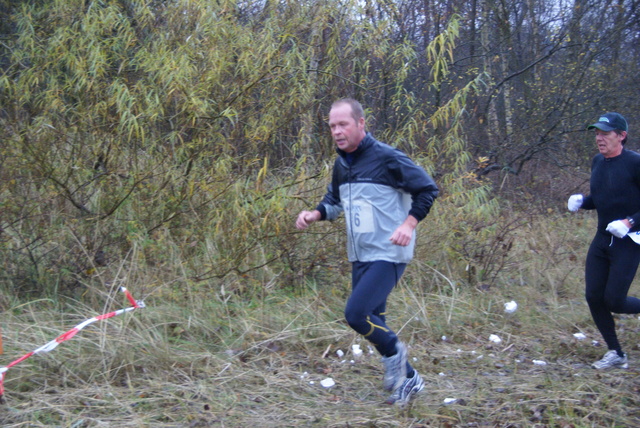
[168,146]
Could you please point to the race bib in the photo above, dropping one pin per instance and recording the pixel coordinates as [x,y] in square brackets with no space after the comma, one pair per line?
[361,217]
[635,236]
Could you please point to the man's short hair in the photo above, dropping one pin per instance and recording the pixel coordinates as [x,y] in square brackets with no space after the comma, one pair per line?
[357,111]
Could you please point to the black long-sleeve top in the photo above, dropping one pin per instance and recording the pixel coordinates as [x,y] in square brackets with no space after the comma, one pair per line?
[615,189]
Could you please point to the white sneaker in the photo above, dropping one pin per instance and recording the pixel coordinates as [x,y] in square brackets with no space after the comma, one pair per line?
[406,391]
[611,359]
[395,368]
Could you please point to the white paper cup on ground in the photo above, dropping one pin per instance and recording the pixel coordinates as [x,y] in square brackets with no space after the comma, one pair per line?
[510,307]
[495,338]
[356,350]
[327,383]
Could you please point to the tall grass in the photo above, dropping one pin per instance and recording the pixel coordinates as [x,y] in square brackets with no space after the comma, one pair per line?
[214,356]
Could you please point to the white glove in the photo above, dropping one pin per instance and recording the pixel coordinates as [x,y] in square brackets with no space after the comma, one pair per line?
[618,229]
[575,202]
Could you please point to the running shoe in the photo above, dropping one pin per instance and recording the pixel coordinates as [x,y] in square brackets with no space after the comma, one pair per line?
[395,368]
[405,392]
[611,359]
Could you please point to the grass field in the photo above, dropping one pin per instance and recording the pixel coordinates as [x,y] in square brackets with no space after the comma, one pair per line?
[226,360]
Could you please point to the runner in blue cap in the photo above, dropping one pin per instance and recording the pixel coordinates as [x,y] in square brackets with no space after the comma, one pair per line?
[613,257]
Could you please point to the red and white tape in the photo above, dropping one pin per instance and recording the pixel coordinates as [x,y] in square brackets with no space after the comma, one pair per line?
[69,334]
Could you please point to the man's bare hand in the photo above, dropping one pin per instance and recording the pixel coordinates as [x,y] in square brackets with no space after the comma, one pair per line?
[305,218]
[403,234]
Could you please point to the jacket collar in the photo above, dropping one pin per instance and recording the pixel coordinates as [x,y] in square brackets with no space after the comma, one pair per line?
[366,142]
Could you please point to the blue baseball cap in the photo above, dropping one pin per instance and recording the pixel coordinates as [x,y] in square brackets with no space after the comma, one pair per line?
[610,121]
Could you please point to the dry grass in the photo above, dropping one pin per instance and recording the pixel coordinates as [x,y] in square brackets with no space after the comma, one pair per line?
[227,362]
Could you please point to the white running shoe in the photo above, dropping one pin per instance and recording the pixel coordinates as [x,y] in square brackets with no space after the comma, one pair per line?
[405,392]
[395,368]
[611,359]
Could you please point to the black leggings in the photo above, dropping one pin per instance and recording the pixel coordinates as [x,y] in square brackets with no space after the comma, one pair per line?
[610,268]
[371,284]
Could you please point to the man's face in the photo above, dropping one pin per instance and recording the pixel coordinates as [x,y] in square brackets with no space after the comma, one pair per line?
[609,143]
[345,130]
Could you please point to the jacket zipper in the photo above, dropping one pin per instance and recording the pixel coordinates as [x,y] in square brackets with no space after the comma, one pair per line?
[353,236]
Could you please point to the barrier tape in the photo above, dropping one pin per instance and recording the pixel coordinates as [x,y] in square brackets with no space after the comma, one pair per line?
[69,334]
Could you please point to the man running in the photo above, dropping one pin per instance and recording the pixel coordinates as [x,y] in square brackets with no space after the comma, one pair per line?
[384,195]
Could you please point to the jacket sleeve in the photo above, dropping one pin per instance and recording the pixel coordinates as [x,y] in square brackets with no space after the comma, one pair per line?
[587,203]
[414,180]
[636,179]
[330,207]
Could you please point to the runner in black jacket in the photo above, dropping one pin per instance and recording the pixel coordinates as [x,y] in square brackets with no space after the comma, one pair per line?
[613,257]
[383,195]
